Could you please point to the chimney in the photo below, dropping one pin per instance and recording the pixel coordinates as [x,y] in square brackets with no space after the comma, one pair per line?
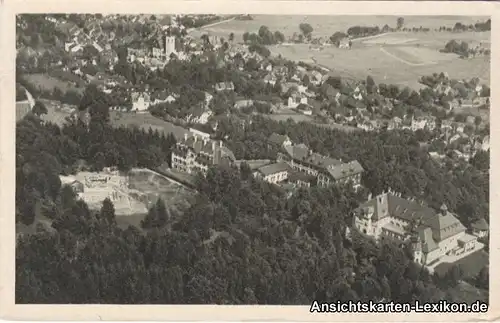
[195,138]
[220,144]
[185,136]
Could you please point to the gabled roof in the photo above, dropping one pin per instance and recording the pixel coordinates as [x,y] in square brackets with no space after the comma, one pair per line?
[346,169]
[444,224]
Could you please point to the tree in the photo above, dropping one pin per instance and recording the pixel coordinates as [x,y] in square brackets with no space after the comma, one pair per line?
[306,29]
[107,212]
[370,84]
[231,37]
[400,22]
[39,108]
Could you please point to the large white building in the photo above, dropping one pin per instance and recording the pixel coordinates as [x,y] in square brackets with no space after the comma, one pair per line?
[198,153]
[434,234]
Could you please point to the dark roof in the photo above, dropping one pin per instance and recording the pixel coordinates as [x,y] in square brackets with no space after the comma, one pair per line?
[301,176]
[444,225]
[345,169]
[302,153]
[480,225]
[274,168]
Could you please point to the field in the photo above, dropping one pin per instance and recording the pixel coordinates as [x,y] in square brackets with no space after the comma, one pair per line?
[147,186]
[325,26]
[471,265]
[47,82]
[398,58]
[391,64]
[146,121]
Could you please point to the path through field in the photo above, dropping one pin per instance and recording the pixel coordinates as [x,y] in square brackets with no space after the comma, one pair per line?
[404,61]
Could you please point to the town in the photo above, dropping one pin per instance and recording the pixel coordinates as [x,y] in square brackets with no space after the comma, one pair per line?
[204,149]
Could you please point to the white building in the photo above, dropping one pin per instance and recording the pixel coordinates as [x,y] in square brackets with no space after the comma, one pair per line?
[433,235]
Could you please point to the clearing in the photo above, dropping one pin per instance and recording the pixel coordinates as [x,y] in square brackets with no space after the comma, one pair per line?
[146,121]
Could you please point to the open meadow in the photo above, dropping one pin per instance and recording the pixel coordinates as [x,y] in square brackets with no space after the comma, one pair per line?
[395,58]
[146,121]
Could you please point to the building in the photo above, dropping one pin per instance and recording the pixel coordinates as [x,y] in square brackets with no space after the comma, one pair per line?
[433,234]
[170,46]
[295,99]
[480,228]
[224,86]
[197,154]
[140,102]
[273,173]
[71,181]
[328,171]
[345,43]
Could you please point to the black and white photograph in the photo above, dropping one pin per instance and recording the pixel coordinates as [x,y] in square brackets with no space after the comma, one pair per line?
[252,159]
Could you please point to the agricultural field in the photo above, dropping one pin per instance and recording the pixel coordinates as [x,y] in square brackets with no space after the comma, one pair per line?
[325,26]
[146,121]
[390,60]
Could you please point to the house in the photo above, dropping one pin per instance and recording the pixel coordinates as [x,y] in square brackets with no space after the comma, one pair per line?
[295,99]
[140,101]
[196,154]
[208,99]
[266,65]
[345,43]
[243,104]
[270,79]
[446,125]
[315,77]
[432,234]
[423,123]
[394,123]
[480,228]
[280,140]
[199,116]
[273,173]
[280,71]
[71,181]
[328,171]
[224,86]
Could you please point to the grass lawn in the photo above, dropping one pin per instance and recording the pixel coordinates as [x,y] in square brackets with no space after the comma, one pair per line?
[146,121]
[471,265]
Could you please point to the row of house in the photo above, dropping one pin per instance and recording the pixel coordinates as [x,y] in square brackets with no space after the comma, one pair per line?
[299,165]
